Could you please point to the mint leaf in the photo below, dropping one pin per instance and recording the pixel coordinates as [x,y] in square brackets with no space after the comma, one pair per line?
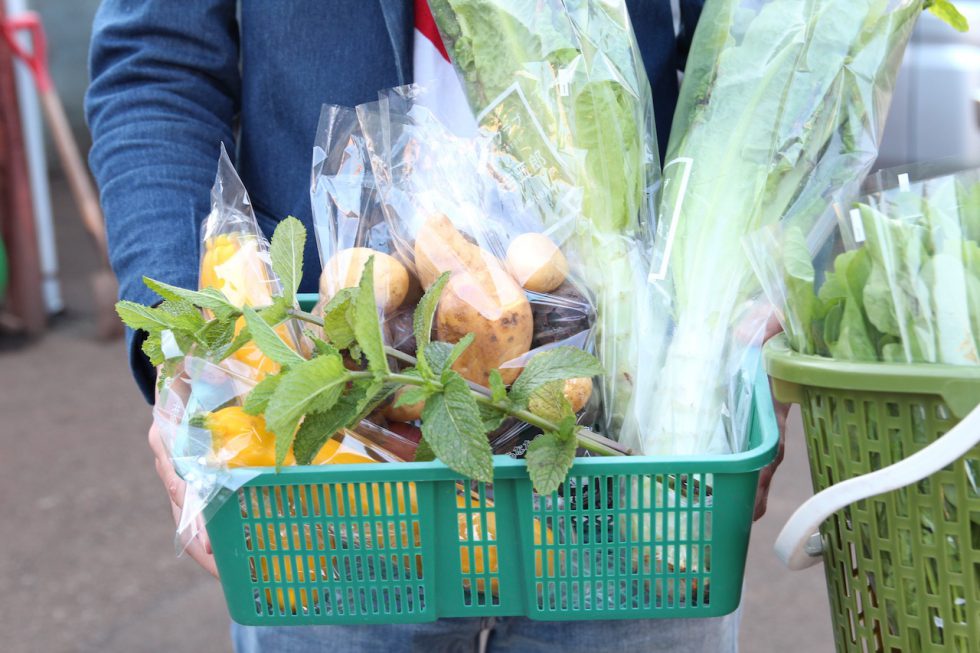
[216,334]
[269,341]
[317,428]
[153,349]
[286,252]
[948,13]
[498,391]
[258,399]
[184,316]
[549,402]
[549,458]
[337,323]
[423,452]
[441,355]
[492,417]
[321,347]
[208,298]
[425,313]
[367,326]
[139,317]
[412,395]
[312,386]
[452,426]
[558,364]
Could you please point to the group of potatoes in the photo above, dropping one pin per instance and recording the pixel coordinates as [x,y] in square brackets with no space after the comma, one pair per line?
[485,296]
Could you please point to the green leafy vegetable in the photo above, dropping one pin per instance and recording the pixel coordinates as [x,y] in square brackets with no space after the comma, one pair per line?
[309,400]
[564,86]
[780,112]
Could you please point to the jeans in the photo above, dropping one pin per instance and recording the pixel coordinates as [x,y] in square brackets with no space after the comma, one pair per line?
[507,635]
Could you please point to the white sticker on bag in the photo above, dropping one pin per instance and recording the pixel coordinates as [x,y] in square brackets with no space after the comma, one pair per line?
[858,226]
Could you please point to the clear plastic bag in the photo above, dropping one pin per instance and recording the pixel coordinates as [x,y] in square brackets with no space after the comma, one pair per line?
[462,205]
[781,111]
[216,447]
[899,281]
[347,217]
[563,86]
[235,261]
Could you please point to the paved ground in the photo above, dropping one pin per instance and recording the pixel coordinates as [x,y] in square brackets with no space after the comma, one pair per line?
[86,559]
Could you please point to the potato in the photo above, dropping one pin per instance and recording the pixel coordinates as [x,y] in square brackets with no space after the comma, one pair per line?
[407,413]
[502,331]
[578,392]
[536,262]
[481,298]
[343,270]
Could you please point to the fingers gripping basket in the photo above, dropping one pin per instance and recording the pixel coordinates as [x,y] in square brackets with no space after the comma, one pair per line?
[623,538]
[903,566]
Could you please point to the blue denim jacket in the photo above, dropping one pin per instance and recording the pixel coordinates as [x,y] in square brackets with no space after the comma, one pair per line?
[171,80]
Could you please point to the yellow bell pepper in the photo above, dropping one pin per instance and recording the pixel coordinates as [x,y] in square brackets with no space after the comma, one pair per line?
[237,265]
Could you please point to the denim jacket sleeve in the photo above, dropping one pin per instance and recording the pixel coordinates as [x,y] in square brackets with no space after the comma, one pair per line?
[164,93]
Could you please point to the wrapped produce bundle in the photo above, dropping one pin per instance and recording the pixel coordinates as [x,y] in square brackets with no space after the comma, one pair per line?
[780,114]
[898,281]
[563,85]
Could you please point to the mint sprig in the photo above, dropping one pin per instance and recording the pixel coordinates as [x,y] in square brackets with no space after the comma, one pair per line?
[309,400]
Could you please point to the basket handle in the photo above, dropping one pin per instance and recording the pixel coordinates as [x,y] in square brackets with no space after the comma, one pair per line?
[799,545]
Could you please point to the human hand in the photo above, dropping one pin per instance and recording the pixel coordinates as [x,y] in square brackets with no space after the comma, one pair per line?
[199,548]
[782,413]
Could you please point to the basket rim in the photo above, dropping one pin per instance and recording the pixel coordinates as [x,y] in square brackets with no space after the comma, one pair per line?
[957,385]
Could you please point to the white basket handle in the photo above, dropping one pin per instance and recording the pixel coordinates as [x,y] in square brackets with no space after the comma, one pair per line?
[799,545]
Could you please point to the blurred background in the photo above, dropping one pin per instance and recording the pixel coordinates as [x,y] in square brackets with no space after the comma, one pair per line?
[87,560]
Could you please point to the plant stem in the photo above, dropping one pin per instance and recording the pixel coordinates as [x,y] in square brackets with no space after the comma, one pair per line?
[313,319]
[587,439]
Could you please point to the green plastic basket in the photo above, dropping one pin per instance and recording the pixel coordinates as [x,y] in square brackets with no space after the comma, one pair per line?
[902,568]
[397,543]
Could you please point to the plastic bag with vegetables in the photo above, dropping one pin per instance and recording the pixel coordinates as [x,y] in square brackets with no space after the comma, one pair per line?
[563,86]
[781,110]
[899,281]
[464,206]
[235,261]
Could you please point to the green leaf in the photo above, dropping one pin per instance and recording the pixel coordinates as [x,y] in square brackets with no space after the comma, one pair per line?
[216,334]
[425,313]
[321,347]
[558,364]
[549,458]
[948,13]
[337,318]
[258,399]
[269,341]
[441,355]
[312,386]
[452,426]
[153,350]
[184,316]
[137,316]
[317,428]
[367,326]
[208,298]
[802,303]
[286,252]
[498,391]
[549,402]
[492,417]
[412,395]
[423,452]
